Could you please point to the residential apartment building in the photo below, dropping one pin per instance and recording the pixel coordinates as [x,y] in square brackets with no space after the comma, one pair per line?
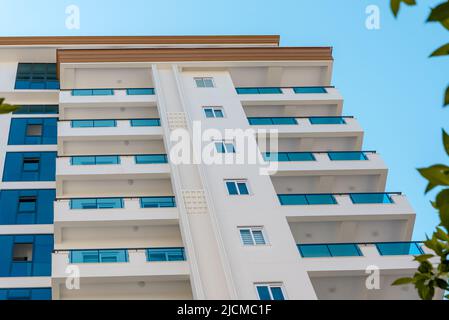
[92,205]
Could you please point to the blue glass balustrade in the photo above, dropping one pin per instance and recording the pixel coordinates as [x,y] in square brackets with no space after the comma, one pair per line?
[157,202]
[140,92]
[98,256]
[145,123]
[262,90]
[367,198]
[94,160]
[327,120]
[399,248]
[288,156]
[25,294]
[329,250]
[165,254]
[93,123]
[151,158]
[260,121]
[309,90]
[92,92]
[306,199]
[347,156]
[25,255]
[97,203]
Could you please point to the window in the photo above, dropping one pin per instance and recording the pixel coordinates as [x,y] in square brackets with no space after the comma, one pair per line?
[204,82]
[140,92]
[270,291]
[165,254]
[98,256]
[22,252]
[327,120]
[93,123]
[100,203]
[37,109]
[151,159]
[94,160]
[92,92]
[213,112]
[252,236]
[157,202]
[26,294]
[31,164]
[36,76]
[225,147]
[34,130]
[309,90]
[27,204]
[237,187]
[263,90]
[145,123]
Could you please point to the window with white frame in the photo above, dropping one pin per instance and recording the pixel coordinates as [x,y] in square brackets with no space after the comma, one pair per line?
[204,82]
[252,236]
[213,112]
[237,187]
[270,291]
[225,146]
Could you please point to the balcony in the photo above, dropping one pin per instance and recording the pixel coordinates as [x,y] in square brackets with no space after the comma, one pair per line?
[143,273]
[338,271]
[108,137]
[328,163]
[321,218]
[114,220]
[86,103]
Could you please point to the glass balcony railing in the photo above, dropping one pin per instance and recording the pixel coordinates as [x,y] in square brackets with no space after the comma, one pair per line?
[94,160]
[157,202]
[370,198]
[93,123]
[140,92]
[411,248]
[98,256]
[260,121]
[327,120]
[92,92]
[399,248]
[259,90]
[309,156]
[306,199]
[329,250]
[145,123]
[151,159]
[97,203]
[165,254]
[305,90]
[288,156]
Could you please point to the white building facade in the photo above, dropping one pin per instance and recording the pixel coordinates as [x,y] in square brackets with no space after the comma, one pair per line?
[95,202]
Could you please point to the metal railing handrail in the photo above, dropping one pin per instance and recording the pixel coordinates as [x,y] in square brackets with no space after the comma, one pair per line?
[123,198]
[132,249]
[337,194]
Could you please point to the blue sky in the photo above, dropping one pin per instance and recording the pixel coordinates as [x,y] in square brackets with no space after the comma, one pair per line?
[387,81]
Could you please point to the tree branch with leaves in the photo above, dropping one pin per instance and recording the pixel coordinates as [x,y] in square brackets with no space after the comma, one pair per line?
[431,276]
[7,108]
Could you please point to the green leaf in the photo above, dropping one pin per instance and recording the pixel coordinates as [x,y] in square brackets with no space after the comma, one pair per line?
[441,51]
[446,97]
[439,13]
[402,281]
[396,4]
[424,257]
[437,175]
[442,284]
[446,142]
[441,235]
[7,108]
[444,216]
[442,198]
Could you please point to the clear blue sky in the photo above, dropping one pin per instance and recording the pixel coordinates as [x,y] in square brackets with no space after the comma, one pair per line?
[384,75]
